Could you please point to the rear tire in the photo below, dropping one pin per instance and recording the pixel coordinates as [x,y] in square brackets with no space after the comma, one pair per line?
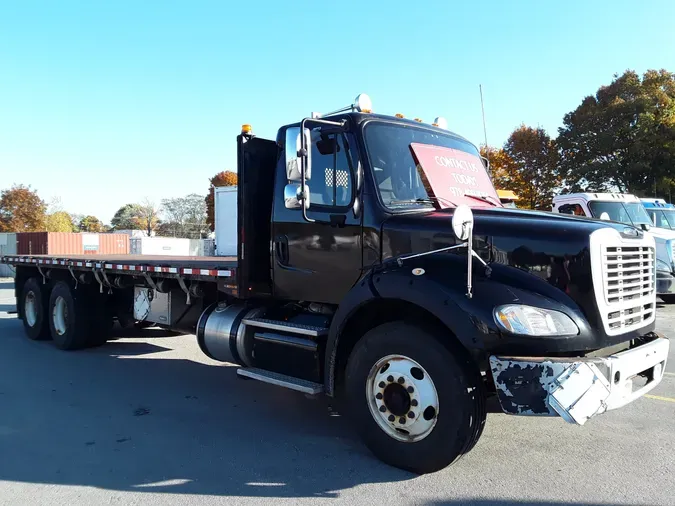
[34,302]
[668,299]
[69,317]
[447,390]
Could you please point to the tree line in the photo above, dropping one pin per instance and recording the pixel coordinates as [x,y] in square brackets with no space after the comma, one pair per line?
[191,216]
[620,139]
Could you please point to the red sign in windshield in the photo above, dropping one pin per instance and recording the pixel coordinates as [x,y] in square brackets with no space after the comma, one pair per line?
[451,177]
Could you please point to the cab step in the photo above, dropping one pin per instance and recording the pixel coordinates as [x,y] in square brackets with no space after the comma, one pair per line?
[284,326]
[282,380]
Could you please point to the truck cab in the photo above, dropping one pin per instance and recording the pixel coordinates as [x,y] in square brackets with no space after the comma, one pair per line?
[630,210]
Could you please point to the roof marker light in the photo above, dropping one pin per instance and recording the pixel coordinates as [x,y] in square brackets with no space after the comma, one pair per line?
[399,115]
[246,129]
[418,120]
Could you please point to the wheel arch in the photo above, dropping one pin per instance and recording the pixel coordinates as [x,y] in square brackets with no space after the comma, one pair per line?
[382,298]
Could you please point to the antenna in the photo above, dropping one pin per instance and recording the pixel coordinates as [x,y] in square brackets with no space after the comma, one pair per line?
[482,107]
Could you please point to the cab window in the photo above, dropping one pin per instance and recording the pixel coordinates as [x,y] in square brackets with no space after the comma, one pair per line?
[332,171]
[574,209]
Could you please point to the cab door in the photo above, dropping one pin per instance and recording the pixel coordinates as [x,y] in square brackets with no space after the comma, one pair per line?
[320,261]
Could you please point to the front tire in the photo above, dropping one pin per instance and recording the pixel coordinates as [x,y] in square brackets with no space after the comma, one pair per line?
[34,302]
[417,405]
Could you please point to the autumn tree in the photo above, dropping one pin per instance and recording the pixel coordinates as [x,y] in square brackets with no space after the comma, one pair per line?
[184,217]
[21,210]
[91,224]
[535,158]
[502,168]
[623,137]
[59,221]
[147,217]
[225,178]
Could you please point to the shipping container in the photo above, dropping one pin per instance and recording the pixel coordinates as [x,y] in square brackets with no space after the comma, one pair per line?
[67,243]
[7,247]
[225,198]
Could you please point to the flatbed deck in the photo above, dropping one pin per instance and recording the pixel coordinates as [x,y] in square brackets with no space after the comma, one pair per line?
[217,267]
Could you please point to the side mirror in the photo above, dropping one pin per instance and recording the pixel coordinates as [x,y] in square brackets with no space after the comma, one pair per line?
[292,197]
[604,217]
[462,222]
[293,161]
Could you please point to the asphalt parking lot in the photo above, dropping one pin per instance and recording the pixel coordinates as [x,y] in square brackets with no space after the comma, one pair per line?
[148,419]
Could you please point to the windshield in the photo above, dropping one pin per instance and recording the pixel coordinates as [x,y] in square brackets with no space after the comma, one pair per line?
[662,218]
[630,213]
[398,177]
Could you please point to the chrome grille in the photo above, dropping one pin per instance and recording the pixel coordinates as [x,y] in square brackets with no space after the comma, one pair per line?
[629,275]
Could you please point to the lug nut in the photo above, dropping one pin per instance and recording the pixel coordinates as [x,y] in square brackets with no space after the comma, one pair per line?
[383,409]
[410,390]
[401,380]
[413,402]
[392,418]
[382,384]
[401,421]
[390,379]
[411,414]
[379,396]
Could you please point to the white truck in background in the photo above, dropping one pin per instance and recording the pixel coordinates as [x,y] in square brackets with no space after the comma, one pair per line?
[628,209]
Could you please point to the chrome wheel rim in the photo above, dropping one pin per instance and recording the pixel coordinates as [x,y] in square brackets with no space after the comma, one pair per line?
[402,398]
[30,309]
[60,315]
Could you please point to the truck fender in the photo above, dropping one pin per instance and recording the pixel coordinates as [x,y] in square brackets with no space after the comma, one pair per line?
[449,306]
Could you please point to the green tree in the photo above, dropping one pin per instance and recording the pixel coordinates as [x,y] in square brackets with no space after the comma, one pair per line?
[59,221]
[622,138]
[225,178]
[126,217]
[21,210]
[535,159]
[91,224]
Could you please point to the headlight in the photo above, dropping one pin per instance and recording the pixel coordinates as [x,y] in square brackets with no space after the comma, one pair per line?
[534,321]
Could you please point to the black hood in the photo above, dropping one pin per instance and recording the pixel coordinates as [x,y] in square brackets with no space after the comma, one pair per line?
[542,253]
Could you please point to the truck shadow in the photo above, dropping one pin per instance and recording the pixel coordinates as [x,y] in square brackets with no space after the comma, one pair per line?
[139,416]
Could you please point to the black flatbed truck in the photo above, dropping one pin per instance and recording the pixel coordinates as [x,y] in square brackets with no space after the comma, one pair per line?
[357,284]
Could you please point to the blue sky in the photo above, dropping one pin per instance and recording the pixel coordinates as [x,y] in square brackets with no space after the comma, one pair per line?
[104,103]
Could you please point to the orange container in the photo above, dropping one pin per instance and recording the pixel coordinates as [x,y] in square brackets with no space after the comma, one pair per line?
[67,243]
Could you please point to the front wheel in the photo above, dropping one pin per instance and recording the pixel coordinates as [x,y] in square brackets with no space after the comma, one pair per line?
[417,405]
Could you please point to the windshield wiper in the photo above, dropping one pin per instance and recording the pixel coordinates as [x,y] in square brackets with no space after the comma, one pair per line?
[428,200]
[483,199]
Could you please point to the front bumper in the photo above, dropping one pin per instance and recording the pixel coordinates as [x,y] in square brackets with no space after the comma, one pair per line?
[578,388]
[665,283]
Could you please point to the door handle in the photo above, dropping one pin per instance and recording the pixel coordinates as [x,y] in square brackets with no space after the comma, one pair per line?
[281,249]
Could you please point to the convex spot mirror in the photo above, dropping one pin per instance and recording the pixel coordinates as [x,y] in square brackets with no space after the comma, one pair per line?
[462,222]
[293,196]
[293,161]
[604,216]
